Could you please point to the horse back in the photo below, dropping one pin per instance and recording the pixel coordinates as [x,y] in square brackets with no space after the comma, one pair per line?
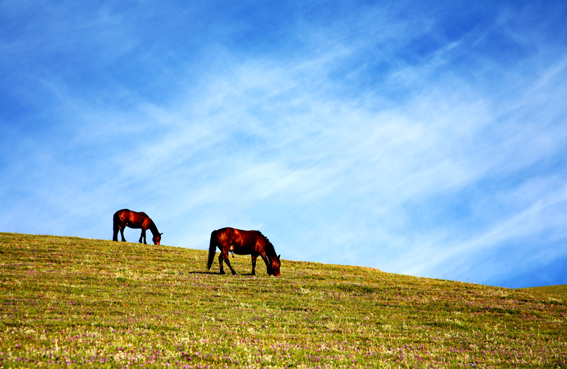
[243,242]
[121,216]
[132,218]
[140,219]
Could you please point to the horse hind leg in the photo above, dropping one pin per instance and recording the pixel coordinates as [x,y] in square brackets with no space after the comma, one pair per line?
[221,259]
[122,233]
[224,257]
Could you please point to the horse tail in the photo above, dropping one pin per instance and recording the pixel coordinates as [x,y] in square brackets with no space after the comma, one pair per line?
[212,249]
[115,226]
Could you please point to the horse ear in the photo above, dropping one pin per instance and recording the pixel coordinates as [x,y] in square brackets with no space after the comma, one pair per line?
[160,234]
[279,256]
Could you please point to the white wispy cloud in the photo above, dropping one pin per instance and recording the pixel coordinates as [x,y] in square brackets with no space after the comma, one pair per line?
[367,137]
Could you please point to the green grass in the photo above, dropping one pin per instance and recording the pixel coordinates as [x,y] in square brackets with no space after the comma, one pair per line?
[72,302]
[559,290]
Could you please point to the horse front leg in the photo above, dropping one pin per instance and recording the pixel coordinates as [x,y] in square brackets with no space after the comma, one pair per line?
[143,236]
[268,264]
[254,257]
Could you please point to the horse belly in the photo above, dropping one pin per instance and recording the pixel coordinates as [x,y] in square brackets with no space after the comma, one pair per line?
[243,250]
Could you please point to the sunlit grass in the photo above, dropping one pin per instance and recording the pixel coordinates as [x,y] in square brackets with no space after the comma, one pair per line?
[559,290]
[79,302]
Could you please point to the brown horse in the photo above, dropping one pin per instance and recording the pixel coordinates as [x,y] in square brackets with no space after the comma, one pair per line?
[241,242]
[128,218]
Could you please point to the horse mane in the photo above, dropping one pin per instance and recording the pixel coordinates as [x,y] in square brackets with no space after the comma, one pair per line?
[153,227]
[269,247]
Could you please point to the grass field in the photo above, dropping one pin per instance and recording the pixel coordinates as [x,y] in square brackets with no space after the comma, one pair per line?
[72,302]
[559,290]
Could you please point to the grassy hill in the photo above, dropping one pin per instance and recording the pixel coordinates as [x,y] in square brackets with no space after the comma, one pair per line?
[559,290]
[71,302]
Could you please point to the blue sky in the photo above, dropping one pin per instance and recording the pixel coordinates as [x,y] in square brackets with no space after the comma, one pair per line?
[418,137]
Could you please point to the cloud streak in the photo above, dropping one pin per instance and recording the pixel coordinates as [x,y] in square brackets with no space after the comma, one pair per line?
[368,135]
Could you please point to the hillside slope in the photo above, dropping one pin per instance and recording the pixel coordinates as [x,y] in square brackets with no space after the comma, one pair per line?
[94,303]
[558,290]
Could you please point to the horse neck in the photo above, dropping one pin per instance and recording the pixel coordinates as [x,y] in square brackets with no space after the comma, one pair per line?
[270,251]
[153,228]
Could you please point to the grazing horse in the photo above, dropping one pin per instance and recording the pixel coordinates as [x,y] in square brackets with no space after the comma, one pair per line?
[241,242]
[128,218]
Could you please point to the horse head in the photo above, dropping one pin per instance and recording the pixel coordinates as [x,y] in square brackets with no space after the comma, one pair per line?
[157,239]
[275,265]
